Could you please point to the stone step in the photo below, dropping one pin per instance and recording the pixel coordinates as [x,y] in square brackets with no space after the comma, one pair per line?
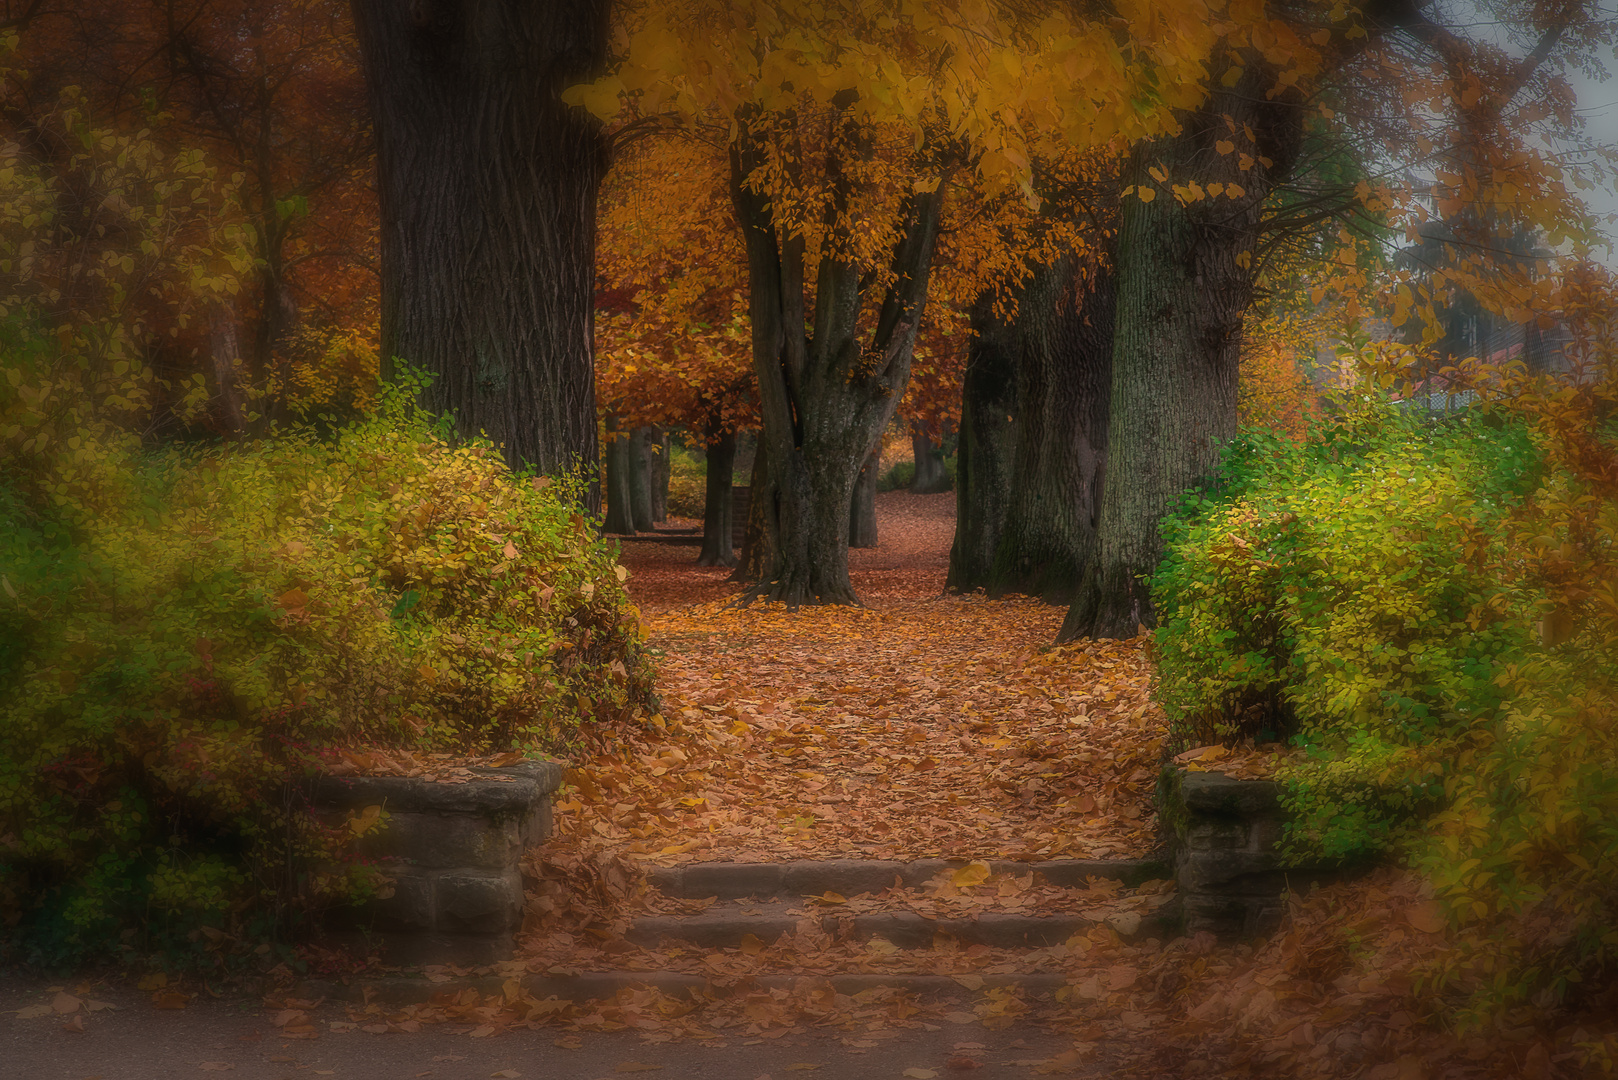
[605,985]
[850,877]
[724,926]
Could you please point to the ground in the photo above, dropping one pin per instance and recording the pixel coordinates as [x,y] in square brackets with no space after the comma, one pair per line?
[917,726]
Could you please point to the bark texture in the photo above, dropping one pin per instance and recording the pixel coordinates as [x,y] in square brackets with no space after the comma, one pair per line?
[986,449]
[717,526]
[620,482]
[930,477]
[758,539]
[862,509]
[487,188]
[826,395]
[659,472]
[1185,276]
[1064,329]
[640,479]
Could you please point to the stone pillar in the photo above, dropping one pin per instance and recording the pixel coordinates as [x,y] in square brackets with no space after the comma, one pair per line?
[453,852]
[1232,881]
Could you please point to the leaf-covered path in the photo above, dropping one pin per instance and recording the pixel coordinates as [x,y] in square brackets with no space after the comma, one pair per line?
[917,726]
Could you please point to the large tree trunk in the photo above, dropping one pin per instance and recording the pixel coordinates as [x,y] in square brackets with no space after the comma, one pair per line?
[862,509]
[824,397]
[717,527]
[620,481]
[1185,275]
[758,539]
[930,477]
[1065,329]
[640,479]
[487,188]
[987,447]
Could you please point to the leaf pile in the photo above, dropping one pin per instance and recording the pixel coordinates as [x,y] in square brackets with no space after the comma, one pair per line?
[937,728]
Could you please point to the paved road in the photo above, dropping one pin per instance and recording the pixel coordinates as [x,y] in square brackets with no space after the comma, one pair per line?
[236,1041]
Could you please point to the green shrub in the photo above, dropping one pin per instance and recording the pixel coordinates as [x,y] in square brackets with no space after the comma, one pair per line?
[903,473]
[1430,611]
[1325,594]
[688,483]
[185,636]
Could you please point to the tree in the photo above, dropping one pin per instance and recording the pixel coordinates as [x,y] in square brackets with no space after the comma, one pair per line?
[268,92]
[843,124]
[487,187]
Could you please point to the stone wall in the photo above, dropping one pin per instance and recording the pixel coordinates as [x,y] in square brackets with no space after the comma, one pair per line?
[1232,880]
[453,852]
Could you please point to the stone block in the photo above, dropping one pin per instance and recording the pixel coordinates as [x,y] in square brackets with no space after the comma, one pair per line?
[411,907]
[440,841]
[470,902]
[728,881]
[1217,834]
[850,877]
[1216,793]
[1231,871]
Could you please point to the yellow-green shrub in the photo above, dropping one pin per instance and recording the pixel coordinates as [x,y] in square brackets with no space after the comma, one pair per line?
[187,635]
[1430,611]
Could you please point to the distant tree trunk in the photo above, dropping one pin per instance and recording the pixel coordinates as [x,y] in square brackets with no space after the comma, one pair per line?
[1185,276]
[930,477]
[487,188]
[640,479]
[1065,328]
[987,447]
[758,540]
[826,396]
[620,481]
[660,475]
[224,347]
[862,508]
[717,527]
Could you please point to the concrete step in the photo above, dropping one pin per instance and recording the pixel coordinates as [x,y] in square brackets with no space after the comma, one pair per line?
[850,877]
[724,926]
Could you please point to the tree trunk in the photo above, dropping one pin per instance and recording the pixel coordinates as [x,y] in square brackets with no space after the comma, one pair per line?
[620,481]
[660,474]
[225,350]
[862,508]
[1185,276]
[640,479]
[717,527]
[825,397]
[1065,329]
[758,541]
[987,447]
[487,190]
[930,477]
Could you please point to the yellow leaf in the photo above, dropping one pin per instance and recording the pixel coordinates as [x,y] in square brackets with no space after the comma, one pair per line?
[752,945]
[1158,174]
[622,572]
[1224,146]
[973,873]
[1147,194]
[830,898]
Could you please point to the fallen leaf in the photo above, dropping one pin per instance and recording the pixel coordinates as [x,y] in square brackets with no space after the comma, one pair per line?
[1427,917]
[170,999]
[921,1074]
[506,1073]
[635,1067]
[74,1023]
